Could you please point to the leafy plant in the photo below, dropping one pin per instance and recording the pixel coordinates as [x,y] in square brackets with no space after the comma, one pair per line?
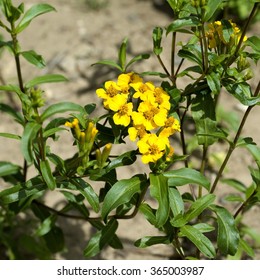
[149,115]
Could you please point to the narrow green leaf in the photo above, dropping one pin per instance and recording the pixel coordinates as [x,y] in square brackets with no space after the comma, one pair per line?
[124,159]
[30,132]
[22,190]
[159,191]
[100,239]
[213,81]
[49,78]
[33,12]
[8,168]
[122,192]
[9,110]
[87,191]
[108,63]
[198,206]
[10,136]
[54,240]
[254,43]
[157,38]
[211,8]
[148,212]
[243,93]
[122,54]
[34,58]
[46,225]
[176,202]
[227,30]
[47,174]
[137,58]
[228,234]
[179,24]
[184,176]
[203,113]
[151,240]
[61,108]
[199,240]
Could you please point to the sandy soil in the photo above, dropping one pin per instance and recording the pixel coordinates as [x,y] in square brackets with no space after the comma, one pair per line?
[71,40]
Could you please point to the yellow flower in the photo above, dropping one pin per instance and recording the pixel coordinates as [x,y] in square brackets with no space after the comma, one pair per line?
[150,116]
[134,78]
[142,90]
[111,90]
[124,110]
[137,131]
[152,147]
[160,98]
[171,126]
[123,81]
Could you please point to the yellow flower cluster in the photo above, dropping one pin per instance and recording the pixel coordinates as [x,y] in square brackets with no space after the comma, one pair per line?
[144,109]
[216,38]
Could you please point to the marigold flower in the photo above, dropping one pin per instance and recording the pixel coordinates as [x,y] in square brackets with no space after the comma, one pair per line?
[171,126]
[142,90]
[122,108]
[137,131]
[152,147]
[150,116]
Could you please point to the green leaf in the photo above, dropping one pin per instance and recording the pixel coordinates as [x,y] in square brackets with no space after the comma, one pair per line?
[30,132]
[46,225]
[33,12]
[122,54]
[12,112]
[227,30]
[199,240]
[242,92]
[148,212]
[176,202]
[34,58]
[228,234]
[196,208]
[192,53]
[54,240]
[47,174]
[211,8]
[184,176]
[8,168]
[235,184]
[100,239]
[213,81]
[254,43]
[255,152]
[203,113]
[61,108]
[109,63]
[87,191]
[179,24]
[157,38]
[22,190]
[122,192]
[159,191]
[151,240]
[137,58]
[10,136]
[124,159]
[49,78]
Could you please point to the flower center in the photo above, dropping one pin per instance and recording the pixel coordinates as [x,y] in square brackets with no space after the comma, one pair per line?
[111,91]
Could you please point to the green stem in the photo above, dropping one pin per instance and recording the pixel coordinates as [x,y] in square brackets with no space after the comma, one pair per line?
[173,56]
[202,167]
[233,144]
[164,68]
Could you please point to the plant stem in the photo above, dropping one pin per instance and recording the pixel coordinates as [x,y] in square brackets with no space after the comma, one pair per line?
[233,144]
[173,56]
[164,68]
[202,167]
